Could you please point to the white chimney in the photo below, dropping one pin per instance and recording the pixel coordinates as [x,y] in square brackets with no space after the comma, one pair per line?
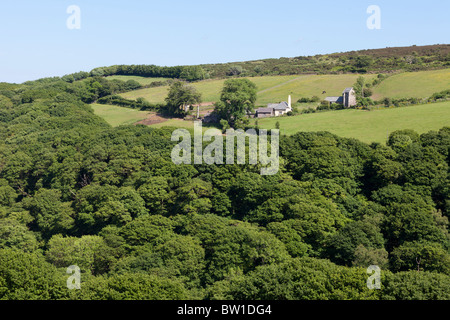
[289,102]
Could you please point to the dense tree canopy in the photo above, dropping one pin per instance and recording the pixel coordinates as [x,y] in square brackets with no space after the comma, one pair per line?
[75,191]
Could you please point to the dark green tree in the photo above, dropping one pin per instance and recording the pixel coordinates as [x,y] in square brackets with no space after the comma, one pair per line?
[180,97]
[237,98]
[27,276]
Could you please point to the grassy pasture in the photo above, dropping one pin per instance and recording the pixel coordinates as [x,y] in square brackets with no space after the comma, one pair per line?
[308,86]
[152,95]
[270,89]
[273,89]
[210,89]
[413,84]
[142,80]
[366,126]
[117,116]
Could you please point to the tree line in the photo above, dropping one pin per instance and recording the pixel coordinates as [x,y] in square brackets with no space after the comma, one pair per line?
[188,73]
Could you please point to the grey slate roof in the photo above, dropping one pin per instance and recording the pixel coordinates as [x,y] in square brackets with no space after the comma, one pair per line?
[334,99]
[264,110]
[278,106]
[347,90]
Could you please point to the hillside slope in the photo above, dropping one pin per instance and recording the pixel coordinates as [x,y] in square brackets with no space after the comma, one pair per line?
[385,60]
[270,88]
[421,84]
[413,84]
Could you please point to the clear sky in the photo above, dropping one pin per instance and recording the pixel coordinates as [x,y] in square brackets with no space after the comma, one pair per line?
[35,41]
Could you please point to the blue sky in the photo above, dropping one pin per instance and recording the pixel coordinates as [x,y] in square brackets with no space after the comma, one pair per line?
[35,41]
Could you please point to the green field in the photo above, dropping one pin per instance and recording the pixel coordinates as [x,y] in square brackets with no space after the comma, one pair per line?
[176,123]
[273,89]
[366,126]
[152,95]
[308,86]
[270,88]
[210,89]
[142,80]
[116,116]
[413,84]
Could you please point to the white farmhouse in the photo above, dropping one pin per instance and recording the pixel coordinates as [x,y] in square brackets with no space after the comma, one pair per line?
[275,109]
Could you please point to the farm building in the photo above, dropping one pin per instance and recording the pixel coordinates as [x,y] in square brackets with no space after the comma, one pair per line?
[279,108]
[338,100]
[348,98]
[274,109]
[264,112]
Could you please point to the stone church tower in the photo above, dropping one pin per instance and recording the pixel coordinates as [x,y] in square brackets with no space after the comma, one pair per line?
[349,97]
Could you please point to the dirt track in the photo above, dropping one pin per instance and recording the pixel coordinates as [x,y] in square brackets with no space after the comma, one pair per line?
[152,119]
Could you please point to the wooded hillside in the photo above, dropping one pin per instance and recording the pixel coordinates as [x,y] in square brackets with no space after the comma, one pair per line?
[75,191]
